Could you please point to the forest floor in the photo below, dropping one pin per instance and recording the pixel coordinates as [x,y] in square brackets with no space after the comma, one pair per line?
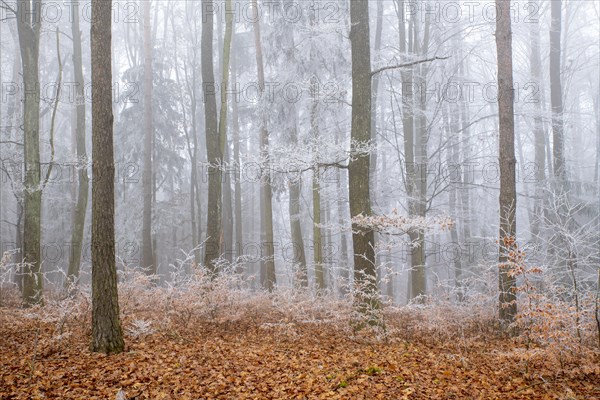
[265,355]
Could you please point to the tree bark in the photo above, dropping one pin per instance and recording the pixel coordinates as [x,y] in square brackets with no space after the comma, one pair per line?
[239,219]
[107,336]
[452,127]
[538,130]
[79,213]
[214,153]
[419,275]
[226,224]
[29,26]
[506,142]
[268,275]
[597,164]
[560,173]
[363,238]
[147,254]
[316,196]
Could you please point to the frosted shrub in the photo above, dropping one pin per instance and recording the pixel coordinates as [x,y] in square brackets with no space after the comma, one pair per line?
[140,328]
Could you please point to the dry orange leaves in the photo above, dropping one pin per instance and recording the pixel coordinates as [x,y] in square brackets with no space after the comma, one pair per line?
[254,360]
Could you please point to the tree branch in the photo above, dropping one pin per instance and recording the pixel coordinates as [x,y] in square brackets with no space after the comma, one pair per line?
[410,64]
[6,6]
[11,142]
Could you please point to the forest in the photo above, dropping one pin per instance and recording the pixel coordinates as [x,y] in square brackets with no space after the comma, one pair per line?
[299,199]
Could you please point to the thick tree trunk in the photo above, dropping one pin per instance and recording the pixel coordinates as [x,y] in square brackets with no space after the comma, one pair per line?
[506,142]
[29,25]
[214,153]
[363,238]
[268,275]
[107,336]
[79,213]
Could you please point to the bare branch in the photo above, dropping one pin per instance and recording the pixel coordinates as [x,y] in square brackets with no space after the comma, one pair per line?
[5,5]
[410,64]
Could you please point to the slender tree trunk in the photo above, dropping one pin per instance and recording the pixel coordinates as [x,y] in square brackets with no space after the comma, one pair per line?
[317,233]
[363,238]
[147,253]
[419,276]
[13,114]
[226,224]
[538,130]
[107,336]
[376,78]
[226,245]
[79,213]
[192,143]
[560,173]
[408,124]
[597,165]
[239,219]
[374,177]
[29,26]
[316,196]
[266,197]
[344,263]
[465,194]
[214,153]
[508,192]
[453,160]
[20,268]
[295,186]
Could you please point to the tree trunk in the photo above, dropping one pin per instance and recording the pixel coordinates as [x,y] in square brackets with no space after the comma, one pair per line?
[317,234]
[452,127]
[107,336]
[344,265]
[465,194]
[79,213]
[29,25]
[560,173]
[538,130]
[363,238]
[506,142]
[295,186]
[316,195]
[419,275]
[147,253]
[226,225]
[597,164]
[214,153]
[375,88]
[373,190]
[417,259]
[239,220]
[266,198]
